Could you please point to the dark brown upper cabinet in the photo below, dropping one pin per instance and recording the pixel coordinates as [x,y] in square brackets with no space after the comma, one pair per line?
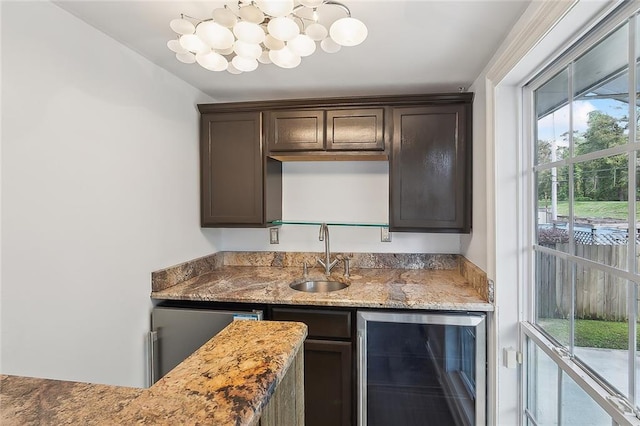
[239,186]
[355,129]
[425,138]
[430,169]
[326,134]
[296,130]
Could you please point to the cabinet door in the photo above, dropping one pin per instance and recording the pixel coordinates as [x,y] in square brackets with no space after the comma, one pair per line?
[430,170]
[231,169]
[327,382]
[355,129]
[296,130]
[322,323]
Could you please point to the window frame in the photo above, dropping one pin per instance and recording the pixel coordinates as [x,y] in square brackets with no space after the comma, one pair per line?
[618,408]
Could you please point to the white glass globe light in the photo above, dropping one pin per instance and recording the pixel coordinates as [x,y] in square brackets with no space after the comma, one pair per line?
[182,26]
[251,14]
[311,3]
[276,8]
[227,51]
[285,58]
[273,43]
[187,57]
[348,31]
[316,31]
[193,43]
[330,46]
[174,45]
[224,17]
[284,29]
[212,61]
[247,50]
[215,35]
[302,45]
[244,64]
[262,31]
[249,32]
[264,57]
[233,70]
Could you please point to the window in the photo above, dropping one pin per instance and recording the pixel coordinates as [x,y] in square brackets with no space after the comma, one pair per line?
[581,335]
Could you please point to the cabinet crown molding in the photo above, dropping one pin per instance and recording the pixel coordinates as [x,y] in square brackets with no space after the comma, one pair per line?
[351,101]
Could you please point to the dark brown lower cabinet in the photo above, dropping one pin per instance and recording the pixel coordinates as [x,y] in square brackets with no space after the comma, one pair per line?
[327,382]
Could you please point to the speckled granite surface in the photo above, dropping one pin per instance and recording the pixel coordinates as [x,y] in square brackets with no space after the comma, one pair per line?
[368,287]
[31,401]
[228,381]
[477,278]
[177,274]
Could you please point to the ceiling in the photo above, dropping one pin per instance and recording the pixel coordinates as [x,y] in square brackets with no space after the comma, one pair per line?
[414,46]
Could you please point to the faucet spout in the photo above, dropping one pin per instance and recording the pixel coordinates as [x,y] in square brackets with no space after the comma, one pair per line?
[327,264]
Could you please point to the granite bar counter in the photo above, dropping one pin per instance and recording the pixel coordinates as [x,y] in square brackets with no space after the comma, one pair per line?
[399,281]
[234,379]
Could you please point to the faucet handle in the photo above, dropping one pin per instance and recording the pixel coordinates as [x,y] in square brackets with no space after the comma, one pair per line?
[346,266]
[323,230]
[305,270]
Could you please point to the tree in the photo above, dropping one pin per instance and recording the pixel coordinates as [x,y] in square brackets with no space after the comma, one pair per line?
[602,179]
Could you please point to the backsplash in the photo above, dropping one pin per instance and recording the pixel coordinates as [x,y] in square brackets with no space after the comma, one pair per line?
[358,260]
[477,278]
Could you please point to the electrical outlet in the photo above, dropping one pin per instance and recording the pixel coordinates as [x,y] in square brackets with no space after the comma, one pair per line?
[385,235]
[274,237]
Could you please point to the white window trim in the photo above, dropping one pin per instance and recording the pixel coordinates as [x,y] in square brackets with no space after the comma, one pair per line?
[615,406]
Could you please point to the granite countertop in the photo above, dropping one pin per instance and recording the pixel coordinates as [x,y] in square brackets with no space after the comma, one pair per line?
[228,381]
[253,278]
[32,401]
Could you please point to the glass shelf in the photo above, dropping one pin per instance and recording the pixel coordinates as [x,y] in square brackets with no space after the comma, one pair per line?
[329,223]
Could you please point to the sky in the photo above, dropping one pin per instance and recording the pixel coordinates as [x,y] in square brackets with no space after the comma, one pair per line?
[553,126]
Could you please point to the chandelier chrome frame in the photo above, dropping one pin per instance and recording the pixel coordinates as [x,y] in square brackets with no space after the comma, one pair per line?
[240,36]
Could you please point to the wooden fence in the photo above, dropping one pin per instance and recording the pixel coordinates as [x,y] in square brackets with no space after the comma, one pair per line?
[598,295]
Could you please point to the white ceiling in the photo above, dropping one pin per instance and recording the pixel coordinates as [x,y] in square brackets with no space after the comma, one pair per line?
[414,46]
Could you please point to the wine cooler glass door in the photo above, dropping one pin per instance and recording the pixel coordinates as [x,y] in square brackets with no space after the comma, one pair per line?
[421,369]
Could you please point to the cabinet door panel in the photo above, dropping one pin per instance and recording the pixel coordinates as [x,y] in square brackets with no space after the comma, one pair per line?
[327,382]
[322,323]
[296,130]
[232,172]
[355,129]
[430,169]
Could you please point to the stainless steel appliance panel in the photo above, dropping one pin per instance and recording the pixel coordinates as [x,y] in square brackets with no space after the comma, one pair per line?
[178,332]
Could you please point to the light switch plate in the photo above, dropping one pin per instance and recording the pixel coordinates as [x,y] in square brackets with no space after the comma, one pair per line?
[385,235]
[274,236]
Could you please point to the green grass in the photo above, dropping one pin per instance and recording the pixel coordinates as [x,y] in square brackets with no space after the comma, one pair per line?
[593,209]
[591,333]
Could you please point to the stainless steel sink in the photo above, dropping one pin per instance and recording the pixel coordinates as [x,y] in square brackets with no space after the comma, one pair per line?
[318,286]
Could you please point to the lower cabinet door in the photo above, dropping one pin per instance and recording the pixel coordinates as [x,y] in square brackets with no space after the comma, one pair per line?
[327,382]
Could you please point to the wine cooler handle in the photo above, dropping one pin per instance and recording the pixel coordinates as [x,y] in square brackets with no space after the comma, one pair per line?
[362,377]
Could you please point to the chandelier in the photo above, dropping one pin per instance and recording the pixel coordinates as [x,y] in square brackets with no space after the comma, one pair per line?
[240,36]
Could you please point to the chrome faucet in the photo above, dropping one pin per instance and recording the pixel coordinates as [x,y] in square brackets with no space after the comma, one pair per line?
[327,264]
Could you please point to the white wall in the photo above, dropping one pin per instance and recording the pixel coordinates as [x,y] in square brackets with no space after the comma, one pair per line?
[99,188]
[474,245]
[338,191]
